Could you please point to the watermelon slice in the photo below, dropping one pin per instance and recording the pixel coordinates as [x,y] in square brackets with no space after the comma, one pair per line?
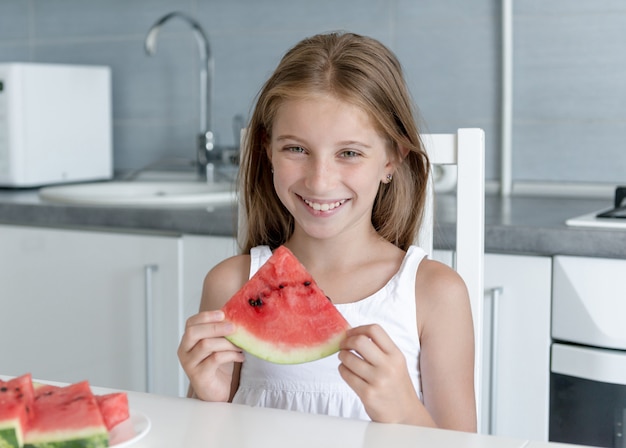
[282,316]
[66,416]
[16,401]
[114,408]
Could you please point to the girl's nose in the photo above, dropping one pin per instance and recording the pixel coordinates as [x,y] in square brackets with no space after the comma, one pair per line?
[320,174]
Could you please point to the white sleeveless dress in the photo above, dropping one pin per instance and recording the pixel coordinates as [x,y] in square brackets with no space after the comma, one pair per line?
[316,387]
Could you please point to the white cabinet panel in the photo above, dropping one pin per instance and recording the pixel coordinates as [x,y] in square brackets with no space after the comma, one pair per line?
[74,305]
[522,344]
[201,254]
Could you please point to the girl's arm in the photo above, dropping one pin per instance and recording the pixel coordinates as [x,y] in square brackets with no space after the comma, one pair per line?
[375,368]
[447,346]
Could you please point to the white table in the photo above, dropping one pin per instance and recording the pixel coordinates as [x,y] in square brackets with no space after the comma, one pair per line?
[190,423]
[181,422]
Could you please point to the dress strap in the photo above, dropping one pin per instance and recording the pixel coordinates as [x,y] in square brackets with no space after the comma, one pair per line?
[410,264]
[258,256]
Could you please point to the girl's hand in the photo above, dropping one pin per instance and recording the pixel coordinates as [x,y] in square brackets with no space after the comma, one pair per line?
[207,357]
[375,368]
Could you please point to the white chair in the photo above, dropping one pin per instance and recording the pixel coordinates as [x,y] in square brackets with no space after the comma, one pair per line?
[466,150]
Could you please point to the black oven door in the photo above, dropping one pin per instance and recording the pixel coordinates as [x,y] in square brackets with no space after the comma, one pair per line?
[588,396]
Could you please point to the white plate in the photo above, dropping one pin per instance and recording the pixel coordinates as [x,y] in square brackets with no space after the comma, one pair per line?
[130,430]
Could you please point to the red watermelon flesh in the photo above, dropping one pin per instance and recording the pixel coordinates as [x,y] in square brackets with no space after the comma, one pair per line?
[66,414]
[16,401]
[114,408]
[282,316]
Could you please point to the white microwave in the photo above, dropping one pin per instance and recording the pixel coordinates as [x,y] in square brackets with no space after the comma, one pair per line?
[55,124]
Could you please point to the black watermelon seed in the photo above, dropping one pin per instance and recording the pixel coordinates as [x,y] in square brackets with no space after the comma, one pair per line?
[255,302]
[307,283]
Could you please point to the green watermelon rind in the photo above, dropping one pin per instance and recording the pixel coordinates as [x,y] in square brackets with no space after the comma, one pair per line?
[10,437]
[271,352]
[71,440]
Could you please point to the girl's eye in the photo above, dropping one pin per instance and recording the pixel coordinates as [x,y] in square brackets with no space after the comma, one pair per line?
[348,154]
[296,149]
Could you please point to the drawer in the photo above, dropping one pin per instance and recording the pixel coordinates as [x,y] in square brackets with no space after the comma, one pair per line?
[589,301]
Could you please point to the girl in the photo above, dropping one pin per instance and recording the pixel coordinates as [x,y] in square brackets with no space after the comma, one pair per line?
[334,169]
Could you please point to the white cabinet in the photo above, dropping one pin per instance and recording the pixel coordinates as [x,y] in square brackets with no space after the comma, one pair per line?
[516,344]
[518,290]
[102,306]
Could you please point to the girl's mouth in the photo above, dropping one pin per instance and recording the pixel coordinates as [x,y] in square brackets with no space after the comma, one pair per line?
[323,206]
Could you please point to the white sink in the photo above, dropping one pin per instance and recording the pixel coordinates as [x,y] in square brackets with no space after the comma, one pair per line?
[142,194]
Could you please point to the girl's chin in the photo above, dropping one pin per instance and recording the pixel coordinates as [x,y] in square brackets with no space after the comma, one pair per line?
[317,231]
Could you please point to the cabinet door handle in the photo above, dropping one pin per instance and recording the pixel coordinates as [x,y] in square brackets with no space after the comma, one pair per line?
[494,295]
[148,270]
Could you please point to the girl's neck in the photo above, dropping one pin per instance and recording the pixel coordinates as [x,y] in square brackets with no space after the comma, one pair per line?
[341,251]
[367,260]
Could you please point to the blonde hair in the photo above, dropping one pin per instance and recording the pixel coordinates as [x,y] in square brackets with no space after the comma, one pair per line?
[363,72]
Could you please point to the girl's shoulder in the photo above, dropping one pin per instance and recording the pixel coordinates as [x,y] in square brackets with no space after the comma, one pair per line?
[440,292]
[438,279]
[224,280]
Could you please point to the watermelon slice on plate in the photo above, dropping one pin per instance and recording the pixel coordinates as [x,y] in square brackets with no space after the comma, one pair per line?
[282,316]
[38,415]
[67,416]
[114,408]
[16,401]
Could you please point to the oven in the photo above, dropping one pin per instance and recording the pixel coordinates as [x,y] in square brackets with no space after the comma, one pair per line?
[588,354]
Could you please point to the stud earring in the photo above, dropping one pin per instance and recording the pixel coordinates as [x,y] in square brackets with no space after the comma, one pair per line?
[389,178]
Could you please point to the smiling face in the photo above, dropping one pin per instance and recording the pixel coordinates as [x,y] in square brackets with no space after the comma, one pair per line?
[328,161]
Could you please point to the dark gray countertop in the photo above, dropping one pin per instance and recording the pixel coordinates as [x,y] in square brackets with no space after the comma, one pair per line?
[515,225]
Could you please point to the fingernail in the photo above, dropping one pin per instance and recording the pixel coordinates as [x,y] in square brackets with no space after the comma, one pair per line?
[229,327]
[218,314]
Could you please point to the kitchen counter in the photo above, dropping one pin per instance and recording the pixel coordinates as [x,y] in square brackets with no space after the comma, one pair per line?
[183,422]
[515,225]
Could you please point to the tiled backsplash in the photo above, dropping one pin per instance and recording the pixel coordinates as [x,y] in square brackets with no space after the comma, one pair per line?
[569,69]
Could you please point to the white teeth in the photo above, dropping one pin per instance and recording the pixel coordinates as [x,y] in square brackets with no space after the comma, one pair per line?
[324,207]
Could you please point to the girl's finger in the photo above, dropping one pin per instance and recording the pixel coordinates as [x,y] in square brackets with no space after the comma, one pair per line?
[376,334]
[207,331]
[364,345]
[356,382]
[206,349]
[205,317]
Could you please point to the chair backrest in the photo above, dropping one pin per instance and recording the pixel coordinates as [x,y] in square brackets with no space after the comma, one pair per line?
[466,150]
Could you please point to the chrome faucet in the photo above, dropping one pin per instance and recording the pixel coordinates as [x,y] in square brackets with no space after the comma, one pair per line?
[206,151]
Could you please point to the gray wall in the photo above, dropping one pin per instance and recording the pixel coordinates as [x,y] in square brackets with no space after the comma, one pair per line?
[569,69]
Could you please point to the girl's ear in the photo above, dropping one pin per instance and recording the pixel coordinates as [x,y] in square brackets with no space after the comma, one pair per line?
[403,153]
[398,157]
[394,162]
